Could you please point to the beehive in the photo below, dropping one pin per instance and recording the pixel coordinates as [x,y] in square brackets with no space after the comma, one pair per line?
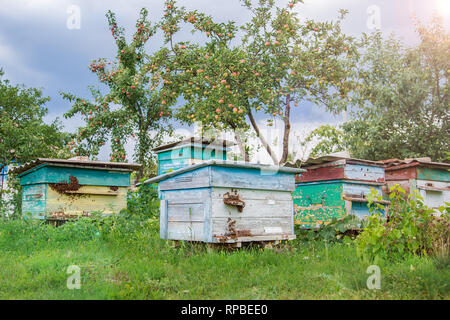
[430,179]
[334,187]
[227,202]
[61,189]
[190,151]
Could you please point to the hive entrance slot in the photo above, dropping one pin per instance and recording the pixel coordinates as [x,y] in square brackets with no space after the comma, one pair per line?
[233,199]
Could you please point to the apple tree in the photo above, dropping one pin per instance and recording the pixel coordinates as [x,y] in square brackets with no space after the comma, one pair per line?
[134,103]
[279,62]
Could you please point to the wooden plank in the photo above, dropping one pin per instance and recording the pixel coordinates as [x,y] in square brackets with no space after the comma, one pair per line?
[254,209]
[251,178]
[165,166]
[98,190]
[175,153]
[253,194]
[187,195]
[407,185]
[356,199]
[434,193]
[207,228]
[192,231]
[401,174]
[76,204]
[322,174]
[433,174]
[53,174]
[362,190]
[274,237]
[364,173]
[189,180]
[163,219]
[256,226]
[185,212]
[325,194]
[317,215]
[433,185]
[34,200]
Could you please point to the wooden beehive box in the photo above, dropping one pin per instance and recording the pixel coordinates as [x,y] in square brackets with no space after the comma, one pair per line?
[227,202]
[190,151]
[430,179]
[56,189]
[333,187]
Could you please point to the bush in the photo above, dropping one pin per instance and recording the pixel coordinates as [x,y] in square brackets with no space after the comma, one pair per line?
[142,212]
[141,215]
[410,228]
[335,231]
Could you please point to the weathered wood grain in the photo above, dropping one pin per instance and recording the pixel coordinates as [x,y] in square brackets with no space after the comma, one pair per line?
[188,180]
[77,204]
[194,207]
[250,178]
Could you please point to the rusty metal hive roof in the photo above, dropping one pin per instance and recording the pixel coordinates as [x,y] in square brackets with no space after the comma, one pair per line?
[77,163]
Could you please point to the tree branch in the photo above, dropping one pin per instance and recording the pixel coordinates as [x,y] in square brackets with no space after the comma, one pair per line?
[262,139]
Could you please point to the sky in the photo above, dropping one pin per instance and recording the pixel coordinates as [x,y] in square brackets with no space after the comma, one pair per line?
[49,43]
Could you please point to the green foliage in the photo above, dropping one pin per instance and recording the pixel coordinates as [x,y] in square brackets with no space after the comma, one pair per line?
[277,63]
[24,136]
[143,266]
[411,228]
[400,96]
[136,104]
[338,230]
[328,139]
[142,212]
[402,101]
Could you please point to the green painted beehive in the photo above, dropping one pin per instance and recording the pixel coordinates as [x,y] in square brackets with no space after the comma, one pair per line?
[430,179]
[333,187]
[61,189]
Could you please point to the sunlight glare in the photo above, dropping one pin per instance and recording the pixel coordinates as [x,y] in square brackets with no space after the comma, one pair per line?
[443,7]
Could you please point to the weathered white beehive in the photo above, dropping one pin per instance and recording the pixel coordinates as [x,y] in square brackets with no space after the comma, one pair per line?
[227,202]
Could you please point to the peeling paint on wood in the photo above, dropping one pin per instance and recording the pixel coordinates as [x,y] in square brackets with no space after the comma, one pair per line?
[335,189]
[193,206]
[48,192]
[431,180]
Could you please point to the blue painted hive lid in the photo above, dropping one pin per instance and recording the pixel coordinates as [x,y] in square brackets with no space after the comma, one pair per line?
[77,162]
[225,163]
[197,142]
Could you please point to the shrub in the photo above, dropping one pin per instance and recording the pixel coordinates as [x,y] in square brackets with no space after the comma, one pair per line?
[335,231]
[142,212]
[141,215]
[410,228]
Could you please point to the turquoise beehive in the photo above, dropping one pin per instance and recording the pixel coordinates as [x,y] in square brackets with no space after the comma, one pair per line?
[190,151]
[57,189]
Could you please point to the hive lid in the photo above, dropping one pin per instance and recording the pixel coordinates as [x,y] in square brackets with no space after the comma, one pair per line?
[336,157]
[78,162]
[394,164]
[225,163]
[196,140]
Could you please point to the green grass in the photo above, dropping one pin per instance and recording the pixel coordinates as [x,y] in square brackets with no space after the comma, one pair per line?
[139,265]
